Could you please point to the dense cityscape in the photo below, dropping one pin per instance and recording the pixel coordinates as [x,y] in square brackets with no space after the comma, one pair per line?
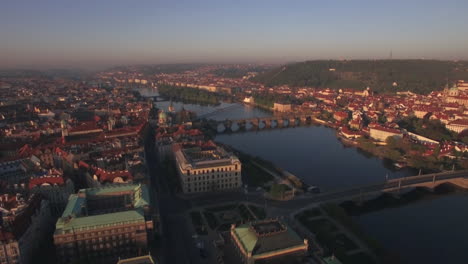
[96,168]
[233,132]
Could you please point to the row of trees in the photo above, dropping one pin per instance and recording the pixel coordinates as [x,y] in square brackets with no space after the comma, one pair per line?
[398,149]
[432,129]
[188,94]
[235,72]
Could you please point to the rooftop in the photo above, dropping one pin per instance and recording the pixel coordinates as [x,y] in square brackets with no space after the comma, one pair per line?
[81,213]
[267,236]
[204,155]
[137,260]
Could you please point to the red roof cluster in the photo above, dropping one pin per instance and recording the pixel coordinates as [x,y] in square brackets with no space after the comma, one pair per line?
[109,176]
[52,180]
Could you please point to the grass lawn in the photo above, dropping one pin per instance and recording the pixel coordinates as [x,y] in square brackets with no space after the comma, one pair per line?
[344,241]
[321,224]
[245,213]
[211,219]
[198,224]
[258,211]
[196,218]
[222,208]
[359,258]
[254,176]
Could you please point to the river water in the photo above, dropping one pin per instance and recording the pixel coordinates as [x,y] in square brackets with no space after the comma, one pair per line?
[313,153]
[430,231]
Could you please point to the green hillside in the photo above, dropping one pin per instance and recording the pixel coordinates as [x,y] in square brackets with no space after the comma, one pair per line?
[419,76]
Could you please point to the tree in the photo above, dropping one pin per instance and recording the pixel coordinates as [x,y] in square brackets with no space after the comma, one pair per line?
[278,190]
[382,119]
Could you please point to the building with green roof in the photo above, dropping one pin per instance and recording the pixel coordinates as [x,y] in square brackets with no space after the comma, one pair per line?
[99,225]
[147,259]
[331,260]
[270,241]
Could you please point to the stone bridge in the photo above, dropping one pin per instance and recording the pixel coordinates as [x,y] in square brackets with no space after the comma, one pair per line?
[276,121]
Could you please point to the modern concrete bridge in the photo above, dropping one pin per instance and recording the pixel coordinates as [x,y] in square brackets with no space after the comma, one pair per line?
[458,178]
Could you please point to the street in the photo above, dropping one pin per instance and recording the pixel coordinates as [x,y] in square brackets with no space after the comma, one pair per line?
[177,245]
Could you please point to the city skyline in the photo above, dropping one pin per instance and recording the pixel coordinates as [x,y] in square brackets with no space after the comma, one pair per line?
[87,34]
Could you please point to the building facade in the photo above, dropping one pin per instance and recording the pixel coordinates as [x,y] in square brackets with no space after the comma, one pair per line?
[458,126]
[380,133]
[100,225]
[206,168]
[282,107]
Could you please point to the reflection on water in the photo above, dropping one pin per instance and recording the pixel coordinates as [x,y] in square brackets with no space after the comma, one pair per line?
[148,92]
[314,154]
[233,111]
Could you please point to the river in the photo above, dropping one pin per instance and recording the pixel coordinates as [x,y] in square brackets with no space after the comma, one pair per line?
[312,153]
[430,231]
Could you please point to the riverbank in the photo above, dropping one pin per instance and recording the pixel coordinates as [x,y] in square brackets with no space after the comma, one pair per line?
[257,172]
[188,94]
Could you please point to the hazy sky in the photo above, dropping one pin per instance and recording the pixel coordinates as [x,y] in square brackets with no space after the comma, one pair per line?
[106,32]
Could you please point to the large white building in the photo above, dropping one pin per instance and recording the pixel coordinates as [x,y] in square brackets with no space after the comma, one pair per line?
[458,125]
[382,133]
[282,107]
[206,167]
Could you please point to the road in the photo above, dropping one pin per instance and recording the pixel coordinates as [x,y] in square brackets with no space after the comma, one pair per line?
[177,244]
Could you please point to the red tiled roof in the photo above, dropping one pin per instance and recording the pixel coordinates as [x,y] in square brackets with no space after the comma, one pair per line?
[52,180]
[5,235]
[85,126]
[109,176]
[386,129]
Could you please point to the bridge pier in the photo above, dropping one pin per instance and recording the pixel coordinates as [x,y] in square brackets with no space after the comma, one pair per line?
[280,122]
[268,123]
[255,122]
[242,125]
[292,122]
[228,125]
[303,120]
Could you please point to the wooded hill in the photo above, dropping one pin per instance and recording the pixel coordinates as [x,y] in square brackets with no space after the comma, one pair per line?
[419,76]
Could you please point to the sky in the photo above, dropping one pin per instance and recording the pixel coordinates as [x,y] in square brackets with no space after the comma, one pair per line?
[91,33]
